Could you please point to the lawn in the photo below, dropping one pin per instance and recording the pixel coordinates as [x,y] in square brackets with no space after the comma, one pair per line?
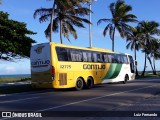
[15,89]
[147,75]
[14,79]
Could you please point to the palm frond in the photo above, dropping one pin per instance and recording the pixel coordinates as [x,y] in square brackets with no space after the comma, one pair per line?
[55,27]
[109,26]
[112,9]
[103,20]
[42,12]
[71,30]
[45,18]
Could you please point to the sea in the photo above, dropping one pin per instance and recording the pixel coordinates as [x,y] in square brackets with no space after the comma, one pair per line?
[16,76]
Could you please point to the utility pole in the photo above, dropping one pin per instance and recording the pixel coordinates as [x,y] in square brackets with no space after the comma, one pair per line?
[90,25]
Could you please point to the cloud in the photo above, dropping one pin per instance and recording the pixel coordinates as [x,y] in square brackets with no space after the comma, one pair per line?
[10,69]
[6,69]
[18,67]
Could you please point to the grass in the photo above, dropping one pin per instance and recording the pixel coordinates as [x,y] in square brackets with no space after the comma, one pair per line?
[147,75]
[14,79]
[17,89]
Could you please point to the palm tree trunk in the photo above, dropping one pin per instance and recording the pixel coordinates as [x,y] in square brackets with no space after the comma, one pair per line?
[113,39]
[144,65]
[154,66]
[61,32]
[135,58]
[149,59]
[52,18]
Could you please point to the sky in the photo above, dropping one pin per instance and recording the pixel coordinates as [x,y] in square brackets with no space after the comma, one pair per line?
[22,11]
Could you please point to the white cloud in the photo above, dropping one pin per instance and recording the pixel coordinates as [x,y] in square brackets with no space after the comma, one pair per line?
[10,69]
[18,67]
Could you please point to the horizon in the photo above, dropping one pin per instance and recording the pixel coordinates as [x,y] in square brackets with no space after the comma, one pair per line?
[22,11]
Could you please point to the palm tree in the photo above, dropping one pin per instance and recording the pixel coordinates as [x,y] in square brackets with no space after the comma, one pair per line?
[119,20]
[149,50]
[154,53]
[149,29]
[134,41]
[58,6]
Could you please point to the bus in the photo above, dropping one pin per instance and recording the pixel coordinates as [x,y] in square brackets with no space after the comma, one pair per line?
[55,65]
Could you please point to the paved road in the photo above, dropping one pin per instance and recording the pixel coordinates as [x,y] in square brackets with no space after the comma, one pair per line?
[112,101]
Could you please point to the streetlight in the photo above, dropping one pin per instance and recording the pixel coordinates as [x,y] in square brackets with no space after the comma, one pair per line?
[90,26]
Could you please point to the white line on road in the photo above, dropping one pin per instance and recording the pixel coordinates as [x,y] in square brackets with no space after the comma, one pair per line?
[10,101]
[152,80]
[2,95]
[95,98]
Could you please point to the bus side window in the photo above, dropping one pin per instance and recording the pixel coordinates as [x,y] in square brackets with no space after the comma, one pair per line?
[112,58]
[69,54]
[99,57]
[89,56]
[72,52]
[115,58]
[76,55]
[119,58]
[109,58]
[125,60]
[85,56]
[94,57]
[106,59]
[79,52]
[62,54]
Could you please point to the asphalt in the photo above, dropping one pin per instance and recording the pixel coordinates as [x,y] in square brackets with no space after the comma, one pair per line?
[145,109]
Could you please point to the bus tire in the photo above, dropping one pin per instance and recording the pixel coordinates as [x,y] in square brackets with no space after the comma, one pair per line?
[126,78]
[79,84]
[90,82]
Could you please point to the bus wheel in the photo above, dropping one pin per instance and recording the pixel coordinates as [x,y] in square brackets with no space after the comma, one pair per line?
[126,78]
[90,82]
[79,84]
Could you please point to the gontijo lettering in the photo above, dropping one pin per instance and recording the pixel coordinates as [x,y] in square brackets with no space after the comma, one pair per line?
[93,66]
[40,63]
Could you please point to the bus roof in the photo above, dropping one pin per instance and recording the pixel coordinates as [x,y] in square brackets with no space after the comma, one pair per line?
[87,48]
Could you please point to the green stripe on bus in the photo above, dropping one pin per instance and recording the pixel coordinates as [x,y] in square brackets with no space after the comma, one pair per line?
[110,71]
[113,71]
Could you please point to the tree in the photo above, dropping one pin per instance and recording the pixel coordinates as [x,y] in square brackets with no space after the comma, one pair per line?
[133,37]
[119,20]
[14,40]
[60,9]
[149,29]
[153,52]
[66,19]
[156,52]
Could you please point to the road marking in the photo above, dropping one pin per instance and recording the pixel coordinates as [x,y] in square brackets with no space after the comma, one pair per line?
[2,95]
[95,98]
[10,101]
[153,80]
